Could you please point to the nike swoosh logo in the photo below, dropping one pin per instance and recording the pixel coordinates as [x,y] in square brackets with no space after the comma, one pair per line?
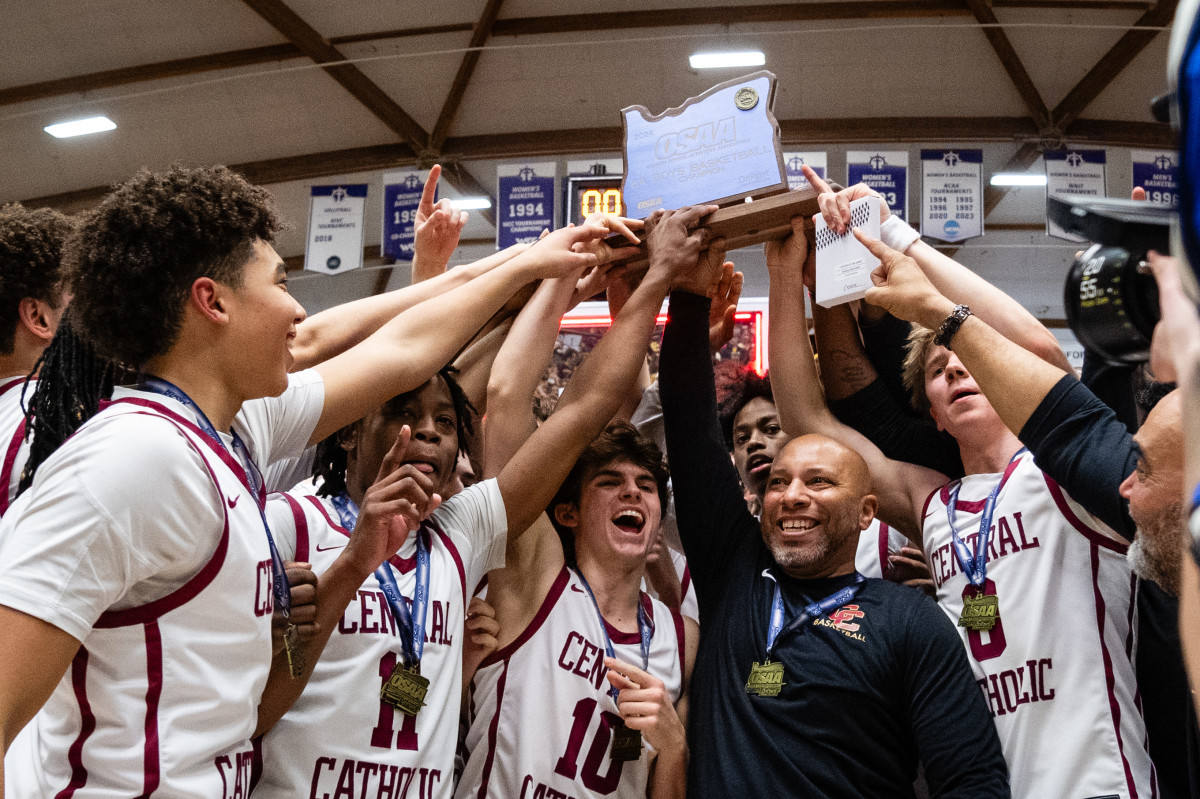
[326,549]
[576,588]
[233,501]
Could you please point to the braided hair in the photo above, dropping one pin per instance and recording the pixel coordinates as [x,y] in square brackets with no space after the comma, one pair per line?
[330,461]
[72,381]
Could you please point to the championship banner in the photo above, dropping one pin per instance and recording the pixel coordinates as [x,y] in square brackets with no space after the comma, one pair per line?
[335,228]
[401,196]
[885,172]
[1157,172]
[952,194]
[524,202]
[793,162]
[1073,172]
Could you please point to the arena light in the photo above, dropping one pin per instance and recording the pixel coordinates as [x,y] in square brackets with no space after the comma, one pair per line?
[80,127]
[750,58]
[1017,179]
[471,203]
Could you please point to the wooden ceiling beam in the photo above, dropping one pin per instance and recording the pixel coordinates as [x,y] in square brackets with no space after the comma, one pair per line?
[524,26]
[1112,63]
[352,79]
[470,59]
[594,140]
[1011,62]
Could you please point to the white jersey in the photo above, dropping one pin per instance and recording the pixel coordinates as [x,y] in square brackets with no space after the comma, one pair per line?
[340,738]
[140,539]
[14,449]
[542,715]
[1057,671]
[163,697]
[874,544]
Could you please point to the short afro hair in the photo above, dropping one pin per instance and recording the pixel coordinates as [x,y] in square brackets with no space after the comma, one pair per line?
[137,255]
[619,443]
[31,249]
[733,394]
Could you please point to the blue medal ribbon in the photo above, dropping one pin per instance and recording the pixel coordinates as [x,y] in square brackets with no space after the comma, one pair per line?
[410,625]
[280,587]
[777,630]
[974,565]
[645,631]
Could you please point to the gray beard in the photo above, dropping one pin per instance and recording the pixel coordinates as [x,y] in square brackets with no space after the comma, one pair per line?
[1152,556]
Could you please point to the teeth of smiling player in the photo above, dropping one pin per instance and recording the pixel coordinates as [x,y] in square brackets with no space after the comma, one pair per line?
[629,515]
[797,524]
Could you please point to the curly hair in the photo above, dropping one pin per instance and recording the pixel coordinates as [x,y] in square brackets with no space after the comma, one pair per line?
[619,443]
[920,342]
[734,391]
[31,248]
[330,461]
[137,255]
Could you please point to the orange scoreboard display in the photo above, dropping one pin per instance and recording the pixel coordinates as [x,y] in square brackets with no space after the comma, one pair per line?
[590,194]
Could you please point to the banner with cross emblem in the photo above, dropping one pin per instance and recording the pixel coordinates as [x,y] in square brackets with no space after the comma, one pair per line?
[1157,172]
[524,202]
[335,228]
[793,161]
[952,194]
[885,171]
[1079,172]
[401,196]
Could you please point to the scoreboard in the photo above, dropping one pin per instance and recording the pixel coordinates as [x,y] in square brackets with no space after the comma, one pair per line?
[590,194]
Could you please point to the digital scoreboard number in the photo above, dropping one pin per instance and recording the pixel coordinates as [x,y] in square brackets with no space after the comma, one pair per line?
[590,194]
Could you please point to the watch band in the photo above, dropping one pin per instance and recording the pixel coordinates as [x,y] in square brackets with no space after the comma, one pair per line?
[949,327]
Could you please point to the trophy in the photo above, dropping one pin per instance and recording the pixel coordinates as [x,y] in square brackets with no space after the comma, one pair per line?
[720,148]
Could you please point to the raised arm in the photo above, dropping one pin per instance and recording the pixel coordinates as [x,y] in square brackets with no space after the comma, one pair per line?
[436,230]
[950,278]
[530,479]
[900,487]
[333,331]
[409,349]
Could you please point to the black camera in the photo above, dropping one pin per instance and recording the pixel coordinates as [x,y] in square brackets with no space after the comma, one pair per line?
[1112,303]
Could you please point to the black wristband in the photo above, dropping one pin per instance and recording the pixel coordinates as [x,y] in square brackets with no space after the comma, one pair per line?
[949,327]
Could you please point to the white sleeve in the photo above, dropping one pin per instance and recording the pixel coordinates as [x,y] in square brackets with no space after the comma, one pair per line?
[278,428]
[283,525]
[284,475]
[84,539]
[477,520]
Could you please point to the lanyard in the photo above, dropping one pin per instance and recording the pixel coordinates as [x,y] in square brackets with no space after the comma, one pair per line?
[280,588]
[777,629]
[410,624]
[974,566]
[645,631]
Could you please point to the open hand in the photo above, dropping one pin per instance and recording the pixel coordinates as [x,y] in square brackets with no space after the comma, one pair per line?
[725,296]
[786,256]
[645,706]
[606,253]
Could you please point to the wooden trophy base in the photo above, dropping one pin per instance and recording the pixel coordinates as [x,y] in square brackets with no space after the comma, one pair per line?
[744,223]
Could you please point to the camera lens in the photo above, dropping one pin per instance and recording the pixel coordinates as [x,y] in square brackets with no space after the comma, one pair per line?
[1111,307]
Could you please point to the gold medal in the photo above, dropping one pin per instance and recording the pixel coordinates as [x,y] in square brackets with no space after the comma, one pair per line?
[405,690]
[297,663]
[766,678]
[979,613]
[626,743]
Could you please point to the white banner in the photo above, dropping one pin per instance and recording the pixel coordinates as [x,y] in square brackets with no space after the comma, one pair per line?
[952,194]
[886,171]
[793,161]
[1073,172]
[335,228]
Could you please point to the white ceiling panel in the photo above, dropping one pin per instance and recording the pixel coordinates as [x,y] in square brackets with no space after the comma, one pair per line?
[63,38]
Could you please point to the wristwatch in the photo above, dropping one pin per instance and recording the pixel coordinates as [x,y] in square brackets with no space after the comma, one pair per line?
[949,327]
